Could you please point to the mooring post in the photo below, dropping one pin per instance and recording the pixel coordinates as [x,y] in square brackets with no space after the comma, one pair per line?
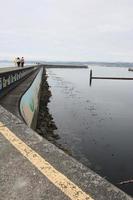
[90,76]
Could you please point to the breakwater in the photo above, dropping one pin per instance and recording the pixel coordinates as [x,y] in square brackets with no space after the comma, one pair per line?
[66,66]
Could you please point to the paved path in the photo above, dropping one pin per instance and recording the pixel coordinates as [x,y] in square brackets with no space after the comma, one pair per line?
[8,69]
[5,69]
[58,179]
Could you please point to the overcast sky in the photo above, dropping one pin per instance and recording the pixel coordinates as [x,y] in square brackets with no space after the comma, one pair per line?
[78,30]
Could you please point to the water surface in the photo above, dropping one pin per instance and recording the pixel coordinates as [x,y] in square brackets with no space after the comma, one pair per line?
[95,123]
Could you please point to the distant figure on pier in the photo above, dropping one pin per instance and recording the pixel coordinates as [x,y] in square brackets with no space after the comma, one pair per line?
[22,62]
[18,61]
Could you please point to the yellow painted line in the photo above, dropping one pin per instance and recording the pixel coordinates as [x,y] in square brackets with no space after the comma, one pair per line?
[58,179]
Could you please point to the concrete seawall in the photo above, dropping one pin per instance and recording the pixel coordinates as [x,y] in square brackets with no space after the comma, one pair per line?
[29,102]
[10,79]
[48,174]
[17,88]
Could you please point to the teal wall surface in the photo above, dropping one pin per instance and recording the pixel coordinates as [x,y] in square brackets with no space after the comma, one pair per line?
[29,103]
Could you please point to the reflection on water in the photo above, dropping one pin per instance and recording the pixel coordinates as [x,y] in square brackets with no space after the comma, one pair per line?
[95,123]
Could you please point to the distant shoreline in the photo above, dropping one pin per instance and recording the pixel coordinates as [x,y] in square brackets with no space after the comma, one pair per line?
[66,66]
[59,64]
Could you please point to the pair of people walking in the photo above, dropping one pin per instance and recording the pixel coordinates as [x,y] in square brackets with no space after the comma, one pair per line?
[19,62]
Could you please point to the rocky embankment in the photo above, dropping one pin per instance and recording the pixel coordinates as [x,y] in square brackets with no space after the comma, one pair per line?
[45,123]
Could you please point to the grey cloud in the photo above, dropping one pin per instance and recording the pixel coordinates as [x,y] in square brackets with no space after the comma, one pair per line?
[67,29]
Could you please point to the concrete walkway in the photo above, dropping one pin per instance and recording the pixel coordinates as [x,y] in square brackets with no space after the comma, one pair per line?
[31,168]
[11,101]
[9,69]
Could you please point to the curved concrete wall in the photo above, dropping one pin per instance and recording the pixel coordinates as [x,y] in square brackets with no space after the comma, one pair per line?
[10,79]
[29,103]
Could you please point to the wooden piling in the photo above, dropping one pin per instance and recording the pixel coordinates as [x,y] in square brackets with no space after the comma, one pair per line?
[90,76]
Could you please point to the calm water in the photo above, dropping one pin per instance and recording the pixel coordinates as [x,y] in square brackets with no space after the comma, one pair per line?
[95,123]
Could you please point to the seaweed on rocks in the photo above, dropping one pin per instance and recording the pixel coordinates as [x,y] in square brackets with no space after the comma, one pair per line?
[45,123]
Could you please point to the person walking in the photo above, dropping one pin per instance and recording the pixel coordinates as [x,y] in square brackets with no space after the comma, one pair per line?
[18,61]
[22,62]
